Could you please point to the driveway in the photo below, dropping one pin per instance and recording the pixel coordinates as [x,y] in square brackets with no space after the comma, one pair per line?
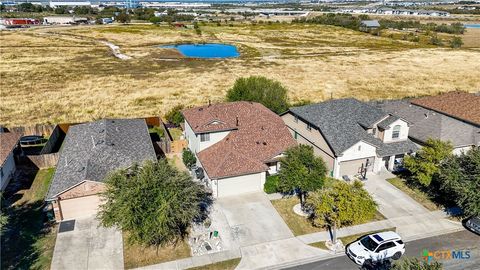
[262,235]
[392,201]
[88,246]
[253,219]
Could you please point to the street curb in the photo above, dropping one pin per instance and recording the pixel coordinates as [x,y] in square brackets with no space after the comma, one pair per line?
[331,256]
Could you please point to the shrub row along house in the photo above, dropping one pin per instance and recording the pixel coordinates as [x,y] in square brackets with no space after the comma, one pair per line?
[91,151]
[237,144]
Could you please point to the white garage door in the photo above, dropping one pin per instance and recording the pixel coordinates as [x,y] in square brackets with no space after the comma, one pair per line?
[80,207]
[239,185]
[353,167]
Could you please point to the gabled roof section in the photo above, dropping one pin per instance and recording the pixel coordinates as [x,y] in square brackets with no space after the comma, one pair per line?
[385,124]
[8,142]
[260,136]
[461,105]
[92,150]
[341,121]
[216,117]
[426,123]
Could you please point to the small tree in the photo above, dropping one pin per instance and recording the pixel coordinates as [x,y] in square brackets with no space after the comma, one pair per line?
[415,264]
[456,42]
[460,178]
[175,116]
[425,164]
[301,171]
[342,204]
[270,93]
[123,18]
[155,204]
[188,158]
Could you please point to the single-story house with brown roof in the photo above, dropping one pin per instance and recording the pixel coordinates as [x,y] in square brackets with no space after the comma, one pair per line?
[8,144]
[89,153]
[237,144]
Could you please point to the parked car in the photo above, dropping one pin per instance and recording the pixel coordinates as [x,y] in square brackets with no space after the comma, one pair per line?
[473,224]
[375,248]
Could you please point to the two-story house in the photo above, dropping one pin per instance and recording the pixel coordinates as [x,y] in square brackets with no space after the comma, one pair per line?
[351,136]
[238,144]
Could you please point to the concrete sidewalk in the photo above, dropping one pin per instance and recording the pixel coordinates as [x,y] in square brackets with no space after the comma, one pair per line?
[409,227]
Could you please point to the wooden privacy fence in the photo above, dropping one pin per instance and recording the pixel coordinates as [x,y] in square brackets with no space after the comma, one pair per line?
[41,161]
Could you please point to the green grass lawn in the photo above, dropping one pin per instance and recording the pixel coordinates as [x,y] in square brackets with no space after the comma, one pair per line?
[225,265]
[415,193]
[136,255]
[300,225]
[28,239]
[350,238]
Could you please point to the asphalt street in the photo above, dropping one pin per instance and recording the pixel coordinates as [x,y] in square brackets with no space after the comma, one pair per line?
[463,240]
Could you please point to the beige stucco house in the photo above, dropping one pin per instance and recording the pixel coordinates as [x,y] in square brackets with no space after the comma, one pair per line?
[351,136]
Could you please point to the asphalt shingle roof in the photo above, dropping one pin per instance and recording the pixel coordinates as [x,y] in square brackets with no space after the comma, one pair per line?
[8,142]
[341,121]
[259,136]
[92,150]
[425,123]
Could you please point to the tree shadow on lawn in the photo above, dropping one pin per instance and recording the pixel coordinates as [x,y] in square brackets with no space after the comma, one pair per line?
[27,235]
[434,192]
[22,247]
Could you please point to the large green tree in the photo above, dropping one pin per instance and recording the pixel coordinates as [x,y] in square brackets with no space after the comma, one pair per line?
[301,171]
[270,93]
[460,178]
[154,203]
[342,204]
[424,165]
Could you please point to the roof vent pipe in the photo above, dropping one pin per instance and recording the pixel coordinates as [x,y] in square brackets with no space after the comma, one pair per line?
[236,121]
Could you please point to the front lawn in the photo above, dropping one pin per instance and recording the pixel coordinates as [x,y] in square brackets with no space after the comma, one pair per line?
[350,238]
[225,265]
[137,256]
[300,225]
[415,193]
[28,239]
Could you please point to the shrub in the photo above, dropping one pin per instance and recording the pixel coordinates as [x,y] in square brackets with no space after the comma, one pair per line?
[175,116]
[456,42]
[188,158]
[271,184]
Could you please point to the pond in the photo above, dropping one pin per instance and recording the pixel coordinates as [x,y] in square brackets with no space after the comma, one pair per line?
[472,25]
[206,50]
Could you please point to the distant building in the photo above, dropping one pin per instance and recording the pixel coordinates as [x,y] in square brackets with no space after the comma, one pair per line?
[369,24]
[55,4]
[64,20]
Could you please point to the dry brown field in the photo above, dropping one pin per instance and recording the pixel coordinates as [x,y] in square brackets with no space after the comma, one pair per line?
[64,74]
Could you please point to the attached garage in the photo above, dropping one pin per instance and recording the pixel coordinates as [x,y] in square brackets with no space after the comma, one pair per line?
[79,207]
[353,167]
[240,184]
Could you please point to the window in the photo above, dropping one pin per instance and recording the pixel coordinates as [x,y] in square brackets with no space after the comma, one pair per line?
[309,127]
[374,131]
[205,137]
[385,246]
[295,135]
[296,119]
[360,148]
[396,132]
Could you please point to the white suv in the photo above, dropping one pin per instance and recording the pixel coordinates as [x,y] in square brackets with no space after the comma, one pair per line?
[376,247]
